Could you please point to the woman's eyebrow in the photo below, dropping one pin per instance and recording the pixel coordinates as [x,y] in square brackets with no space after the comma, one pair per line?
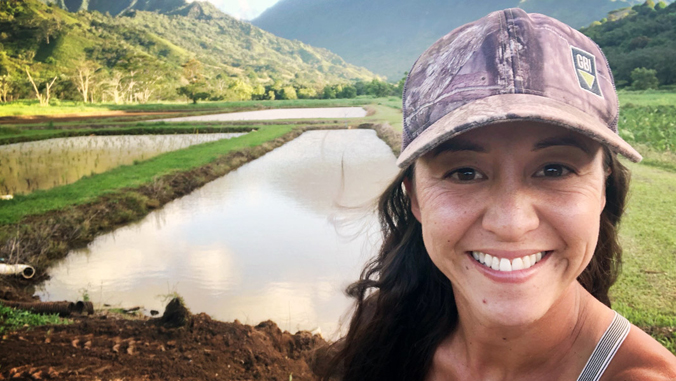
[457,145]
[570,141]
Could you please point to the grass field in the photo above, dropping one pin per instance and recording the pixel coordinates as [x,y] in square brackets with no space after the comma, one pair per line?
[646,290]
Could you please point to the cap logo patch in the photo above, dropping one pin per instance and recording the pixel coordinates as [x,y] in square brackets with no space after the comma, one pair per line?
[585,68]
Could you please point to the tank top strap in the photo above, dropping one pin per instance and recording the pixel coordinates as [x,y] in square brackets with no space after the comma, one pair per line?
[605,349]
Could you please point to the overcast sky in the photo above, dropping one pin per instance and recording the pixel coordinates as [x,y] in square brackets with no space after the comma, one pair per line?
[242,9]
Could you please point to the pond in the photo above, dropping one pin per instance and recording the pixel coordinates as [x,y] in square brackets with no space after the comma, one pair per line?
[44,164]
[283,113]
[280,238]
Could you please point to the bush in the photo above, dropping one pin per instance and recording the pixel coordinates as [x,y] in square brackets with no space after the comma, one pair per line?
[643,79]
[306,93]
[288,92]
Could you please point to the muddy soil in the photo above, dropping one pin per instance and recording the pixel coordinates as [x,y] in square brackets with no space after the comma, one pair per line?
[76,117]
[103,347]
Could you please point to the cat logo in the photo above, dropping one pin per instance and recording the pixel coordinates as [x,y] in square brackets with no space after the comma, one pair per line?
[585,68]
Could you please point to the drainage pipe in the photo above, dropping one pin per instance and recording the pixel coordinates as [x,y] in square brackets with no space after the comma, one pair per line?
[61,308]
[26,271]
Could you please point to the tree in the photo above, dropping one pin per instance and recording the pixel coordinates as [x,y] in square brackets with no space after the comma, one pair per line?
[43,98]
[194,91]
[241,90]
[306,93]
[115,87]
[288,92]
[329,92]
[348,91]
[84,77]
[5,87]
[192,71]
[48,28]
[643,79]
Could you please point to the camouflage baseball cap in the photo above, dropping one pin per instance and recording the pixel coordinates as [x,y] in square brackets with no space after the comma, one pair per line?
[509,66]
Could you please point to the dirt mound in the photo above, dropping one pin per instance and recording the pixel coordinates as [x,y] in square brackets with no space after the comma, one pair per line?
[107,348]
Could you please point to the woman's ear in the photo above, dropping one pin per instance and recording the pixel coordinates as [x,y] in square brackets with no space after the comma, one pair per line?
[410,191]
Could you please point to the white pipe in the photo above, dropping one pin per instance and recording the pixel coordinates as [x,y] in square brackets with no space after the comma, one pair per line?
[25,271]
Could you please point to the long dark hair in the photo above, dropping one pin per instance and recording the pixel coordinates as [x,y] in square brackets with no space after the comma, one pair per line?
[405,305]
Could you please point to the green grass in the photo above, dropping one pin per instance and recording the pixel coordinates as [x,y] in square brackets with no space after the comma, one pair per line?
[32,108]
[12,319]
[89,188]
[646,290]
[653,126]
[386,113]
[646,98]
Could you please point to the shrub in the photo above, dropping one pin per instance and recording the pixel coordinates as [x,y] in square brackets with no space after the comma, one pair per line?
[643,79]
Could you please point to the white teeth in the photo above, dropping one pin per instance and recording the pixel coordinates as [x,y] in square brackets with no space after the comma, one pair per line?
[504,264]
[495,265]
[526,262]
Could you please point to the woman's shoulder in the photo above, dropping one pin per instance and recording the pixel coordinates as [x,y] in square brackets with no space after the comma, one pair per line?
[641,358]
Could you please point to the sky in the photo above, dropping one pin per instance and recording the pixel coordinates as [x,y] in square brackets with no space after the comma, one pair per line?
[242,9]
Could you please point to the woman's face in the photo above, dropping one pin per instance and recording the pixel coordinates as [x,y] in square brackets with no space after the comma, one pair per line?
[525,199]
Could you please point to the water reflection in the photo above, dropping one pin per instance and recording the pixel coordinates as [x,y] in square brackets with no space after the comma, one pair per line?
[277,114]
[257,244]
[26,167]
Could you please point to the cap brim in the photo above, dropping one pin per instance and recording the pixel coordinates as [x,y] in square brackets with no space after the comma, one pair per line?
[513,107]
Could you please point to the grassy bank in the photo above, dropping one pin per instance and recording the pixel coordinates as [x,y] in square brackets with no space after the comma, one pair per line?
[9,135]
[89,188]
[27,108]
[12,319]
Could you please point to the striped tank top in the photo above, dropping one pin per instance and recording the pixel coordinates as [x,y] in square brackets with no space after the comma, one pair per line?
[605,349]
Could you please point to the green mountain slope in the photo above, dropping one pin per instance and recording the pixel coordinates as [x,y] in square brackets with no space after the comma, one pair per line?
[54,42]
[386,36]
[639,37]
[115,7]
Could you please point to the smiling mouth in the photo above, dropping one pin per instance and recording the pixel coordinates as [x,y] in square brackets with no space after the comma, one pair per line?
[505,265]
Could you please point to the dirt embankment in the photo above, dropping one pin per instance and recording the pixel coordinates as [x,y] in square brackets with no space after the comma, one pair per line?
[109,348]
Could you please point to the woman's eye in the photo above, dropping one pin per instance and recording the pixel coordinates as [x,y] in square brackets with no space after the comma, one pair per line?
[466,174]
[553,170]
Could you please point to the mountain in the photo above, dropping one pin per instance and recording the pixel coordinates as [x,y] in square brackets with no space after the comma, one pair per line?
[639,37]
[116,7]
[223,51]
[386,36]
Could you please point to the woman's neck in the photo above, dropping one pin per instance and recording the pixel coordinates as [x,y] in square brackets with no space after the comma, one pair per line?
[560,341]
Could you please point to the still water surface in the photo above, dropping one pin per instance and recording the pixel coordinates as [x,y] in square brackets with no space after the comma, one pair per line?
[276,239]
[275,114]
[44,164]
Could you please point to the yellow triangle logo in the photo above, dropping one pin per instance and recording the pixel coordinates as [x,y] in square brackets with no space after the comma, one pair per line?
[588,78]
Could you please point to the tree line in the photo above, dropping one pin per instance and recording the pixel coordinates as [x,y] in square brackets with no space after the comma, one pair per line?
[640,44]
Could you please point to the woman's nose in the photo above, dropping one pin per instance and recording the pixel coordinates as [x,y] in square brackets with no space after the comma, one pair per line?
[510,213]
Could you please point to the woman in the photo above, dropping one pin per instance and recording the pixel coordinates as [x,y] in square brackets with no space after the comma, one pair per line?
[500,234]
